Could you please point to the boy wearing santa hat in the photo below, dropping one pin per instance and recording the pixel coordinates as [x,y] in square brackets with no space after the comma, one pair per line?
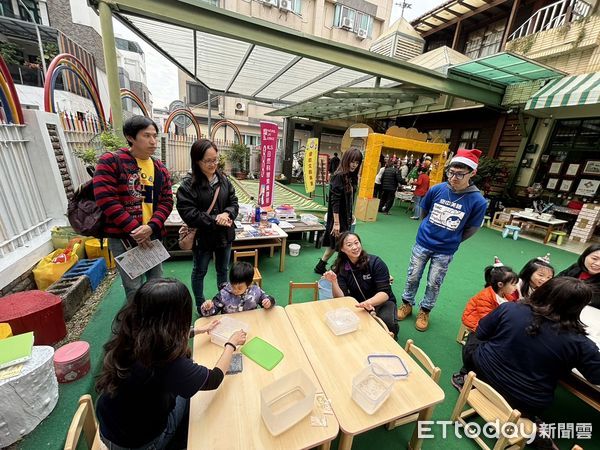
[453,212]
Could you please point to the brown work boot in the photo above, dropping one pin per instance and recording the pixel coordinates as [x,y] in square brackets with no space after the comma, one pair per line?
[404,311]
[422,322]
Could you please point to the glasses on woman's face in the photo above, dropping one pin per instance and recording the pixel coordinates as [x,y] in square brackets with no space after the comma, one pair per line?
[457,175]
[209,162]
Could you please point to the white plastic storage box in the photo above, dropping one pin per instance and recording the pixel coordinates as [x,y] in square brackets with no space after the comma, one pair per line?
[342,321]
[222,332]
[287,401]
[371,387]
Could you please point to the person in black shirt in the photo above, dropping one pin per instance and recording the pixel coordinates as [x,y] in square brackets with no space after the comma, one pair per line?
[523,349]
[365,277]
[147,377]
[334,163]
[587,268]
[341,199]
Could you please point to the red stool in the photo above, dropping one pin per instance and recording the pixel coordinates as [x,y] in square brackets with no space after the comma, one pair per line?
[37,311]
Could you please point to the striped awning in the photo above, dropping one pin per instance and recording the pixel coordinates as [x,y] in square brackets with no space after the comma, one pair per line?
[574,90]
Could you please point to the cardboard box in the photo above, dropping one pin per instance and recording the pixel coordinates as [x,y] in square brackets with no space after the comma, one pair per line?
[366,209]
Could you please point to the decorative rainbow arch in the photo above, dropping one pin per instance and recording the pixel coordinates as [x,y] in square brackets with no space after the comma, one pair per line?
[126,93]
[224,123]
[66,61]
[183,112]
[8,95]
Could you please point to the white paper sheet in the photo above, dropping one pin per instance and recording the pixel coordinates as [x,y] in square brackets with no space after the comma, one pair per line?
[139,260]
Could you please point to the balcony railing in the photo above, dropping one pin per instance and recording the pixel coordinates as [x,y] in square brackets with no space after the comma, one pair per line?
[552,16]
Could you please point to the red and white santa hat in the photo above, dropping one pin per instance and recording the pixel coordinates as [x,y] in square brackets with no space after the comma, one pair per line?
[497,262]
[469,157]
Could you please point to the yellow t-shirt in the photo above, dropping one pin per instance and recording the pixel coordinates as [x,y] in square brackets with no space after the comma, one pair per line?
[147,187]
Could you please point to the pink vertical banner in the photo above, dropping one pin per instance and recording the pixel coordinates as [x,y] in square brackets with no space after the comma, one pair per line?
[268,147]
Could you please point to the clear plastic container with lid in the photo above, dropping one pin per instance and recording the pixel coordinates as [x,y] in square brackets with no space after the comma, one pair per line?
[372,387]
[287,401]
[342,321]
[222,332]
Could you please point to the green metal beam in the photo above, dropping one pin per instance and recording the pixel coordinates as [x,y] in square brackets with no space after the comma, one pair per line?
[112,69]
[197,15]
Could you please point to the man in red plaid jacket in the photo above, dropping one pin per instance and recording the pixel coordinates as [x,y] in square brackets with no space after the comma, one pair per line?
[133,189]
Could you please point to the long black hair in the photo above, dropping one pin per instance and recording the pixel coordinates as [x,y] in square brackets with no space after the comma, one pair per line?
[529,269]
[197,152]
[342,258]
[350,178]
[581,261]
[559,300]
[152,329]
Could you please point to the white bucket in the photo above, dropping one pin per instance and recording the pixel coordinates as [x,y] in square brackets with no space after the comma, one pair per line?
[294,249]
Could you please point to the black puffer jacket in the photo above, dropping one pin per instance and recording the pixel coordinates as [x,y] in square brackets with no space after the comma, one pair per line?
[193,200]
[574,271]
[390,179]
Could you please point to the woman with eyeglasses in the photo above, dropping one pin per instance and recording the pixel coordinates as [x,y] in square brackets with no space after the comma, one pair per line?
[206,201]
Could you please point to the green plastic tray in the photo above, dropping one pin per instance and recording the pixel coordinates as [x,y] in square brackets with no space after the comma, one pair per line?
[262,353]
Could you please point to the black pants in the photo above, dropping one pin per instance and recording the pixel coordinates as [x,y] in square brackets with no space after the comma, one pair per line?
[387,200]
[388,312]
[377,191]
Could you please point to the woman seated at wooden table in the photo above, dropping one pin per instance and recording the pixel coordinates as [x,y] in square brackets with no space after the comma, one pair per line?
[365,277]
[587,268]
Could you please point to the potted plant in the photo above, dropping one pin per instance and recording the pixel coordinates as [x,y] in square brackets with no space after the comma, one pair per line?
[107,141]
[238,156]
[489,171]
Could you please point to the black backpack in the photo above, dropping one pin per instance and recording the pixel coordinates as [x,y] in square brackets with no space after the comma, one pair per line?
[85,217]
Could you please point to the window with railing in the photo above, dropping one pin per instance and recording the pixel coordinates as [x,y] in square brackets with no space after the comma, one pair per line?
[485,41]
[552,16]
[468,139]
[576,134]
[30,6]
[197,94]
[352,20]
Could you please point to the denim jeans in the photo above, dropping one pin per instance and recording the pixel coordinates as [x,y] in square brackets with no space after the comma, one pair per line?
[438,266]
[131,285]
[201,260]
[417,199]
[178,415]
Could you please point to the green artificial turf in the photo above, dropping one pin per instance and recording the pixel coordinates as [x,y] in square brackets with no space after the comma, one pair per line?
[391,238]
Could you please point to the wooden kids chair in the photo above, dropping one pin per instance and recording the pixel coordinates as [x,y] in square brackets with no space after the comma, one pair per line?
[249,254]
[314,286]
[84,421]
[434,371]
[486,402]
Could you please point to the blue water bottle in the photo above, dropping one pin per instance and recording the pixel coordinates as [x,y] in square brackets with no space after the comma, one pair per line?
[257,214]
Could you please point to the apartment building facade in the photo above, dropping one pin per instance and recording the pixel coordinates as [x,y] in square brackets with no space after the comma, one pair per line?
[563,35]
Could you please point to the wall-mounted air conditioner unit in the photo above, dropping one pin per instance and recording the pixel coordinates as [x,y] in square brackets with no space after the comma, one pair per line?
[285,5]
[270,3]
[239,106]
[346,23]
[362,33]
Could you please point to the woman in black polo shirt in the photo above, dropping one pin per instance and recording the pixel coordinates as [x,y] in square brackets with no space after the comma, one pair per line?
[365,277]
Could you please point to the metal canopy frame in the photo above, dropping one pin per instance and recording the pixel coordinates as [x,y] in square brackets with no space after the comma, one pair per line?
[503,69]
[368,103]
[301,67]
